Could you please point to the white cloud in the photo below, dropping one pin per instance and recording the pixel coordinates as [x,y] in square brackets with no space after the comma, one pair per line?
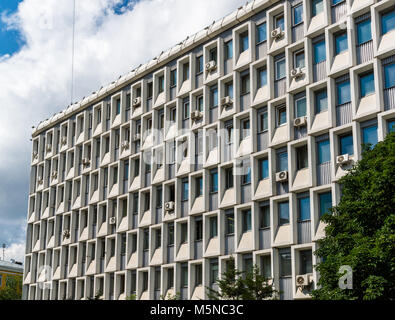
[35,82]
[15,251]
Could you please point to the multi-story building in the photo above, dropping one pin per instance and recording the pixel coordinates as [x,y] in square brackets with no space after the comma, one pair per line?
[229,144]
[9,270]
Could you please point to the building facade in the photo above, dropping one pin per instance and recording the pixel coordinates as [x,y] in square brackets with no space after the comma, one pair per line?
[230,144]
[9,270]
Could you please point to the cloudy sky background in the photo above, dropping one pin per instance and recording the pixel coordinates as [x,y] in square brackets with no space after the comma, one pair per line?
[112,38]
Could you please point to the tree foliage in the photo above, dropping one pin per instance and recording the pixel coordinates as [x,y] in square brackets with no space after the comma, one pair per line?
[360,230]
[13,288]
[240,285]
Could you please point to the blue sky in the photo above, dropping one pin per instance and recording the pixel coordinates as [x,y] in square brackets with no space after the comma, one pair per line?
[35,74]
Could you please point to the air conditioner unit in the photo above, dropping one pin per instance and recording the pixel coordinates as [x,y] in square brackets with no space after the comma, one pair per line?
[85,161]
[136,101]
[54,174]
[296,72]
[303,280]
[66,234]
[125,144]
[343,159]
[281,176]
[63,140]
[277,33]
[299,122]
[137,136]
[113,220]
[49,147]
[211,65]
[226,101]
[169,206]
[196,114]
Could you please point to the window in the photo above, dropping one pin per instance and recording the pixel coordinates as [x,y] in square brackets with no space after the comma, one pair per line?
[213,221]
[261,33]
[388,22]
[185,190]
[341,42]
[184,275]
[199,65]
[229,223]
[145,281]
[214,181]
[213,54]
[229,50]
[264,217]
[146,239]
[321,101]
[229,90]
[302,157]
[228,178]
[369,135]
[245,83]
[279,69]
[364,32]
[297,14]
[213,97]
[319,51]
[300,106]
[306,261]
[199,229]
[281,115]
[325,202]
[158,238]
[245,126]
[324,153]
[199,186]
[366,84]
[173,78]
[391,126]
[244,41]
[304,207]
[279,22]
[317,7]
[213,270]
[285,262]
[184,232]
[343,92]
[263,169]
[199,103]
[185,109]
[246,220]
[161,84]
[262,77]
[198,275]
[185,71]
[170,234]
[299,61]
[283,213]
[159,199]
[262,120]
[247,263]
[246,178]
[282,158]
[266,266]
[170,278]
[346,144]
[118,109]
[389,75]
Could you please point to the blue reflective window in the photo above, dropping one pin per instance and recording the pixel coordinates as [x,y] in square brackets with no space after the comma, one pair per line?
[324,153]
[262,77]
[247,175]
[369,135]
[185,190]
[281,115]
[279,22]
[214,181]
[304,208]
[388,22]
[246,220]
[346,145]
[366,83]
[343,92]
[334,2]
[389,75]
[364,32]
[282,161]
[321,101]
[229,50]
[214,97]
[300,106]
[319,51]
[244,42]
[391,126]
[263,169]
[325,202]
[317,7]
[283,213]
[298,14]
[341,42]
[280,69]
[261,33]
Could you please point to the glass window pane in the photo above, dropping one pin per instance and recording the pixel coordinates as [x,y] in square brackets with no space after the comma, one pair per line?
[283,213]
[244,42]
[265,217]
[266,266]
[304,208]
[369,135]
[300,107]
[324,154]
[346,145]
[343,92]
[367,84]
[280,69]
[264,169]
[262,78]
[261,33]
[391,126]
[389,74]
[319,52]
[246,220]
[282,115]
[298,14]
[388,21]
[299,60]
[364,33]
[185,187]
[285,263]
[321,101]
[283,161]
[325,202]
[279,22]
[341,43]
[317,7]
[214,182]
[336,1]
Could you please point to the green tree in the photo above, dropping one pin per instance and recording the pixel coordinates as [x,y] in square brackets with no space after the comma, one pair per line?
[240,285]
[360,230]
[12,289]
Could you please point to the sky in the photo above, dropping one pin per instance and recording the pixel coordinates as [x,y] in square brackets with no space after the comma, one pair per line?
[112,37]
